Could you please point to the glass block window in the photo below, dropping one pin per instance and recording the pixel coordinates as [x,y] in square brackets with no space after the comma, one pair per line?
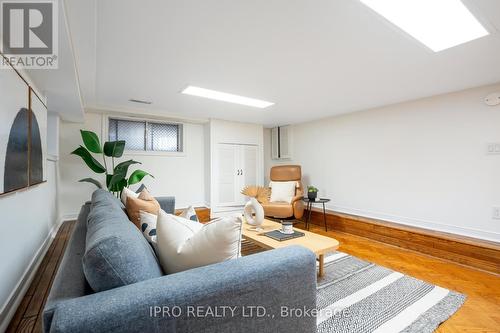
[146,136]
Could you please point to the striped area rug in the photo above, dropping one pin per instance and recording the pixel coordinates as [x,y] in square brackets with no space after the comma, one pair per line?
[359,296]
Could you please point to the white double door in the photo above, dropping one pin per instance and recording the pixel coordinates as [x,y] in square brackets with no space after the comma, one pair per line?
[236,167]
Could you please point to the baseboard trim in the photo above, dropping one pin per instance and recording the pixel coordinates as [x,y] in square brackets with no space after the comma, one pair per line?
[9,308]
[68,217]
[418,223]
[469,251]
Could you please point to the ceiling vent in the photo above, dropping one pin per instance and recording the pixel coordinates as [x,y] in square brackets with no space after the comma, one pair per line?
[139,101]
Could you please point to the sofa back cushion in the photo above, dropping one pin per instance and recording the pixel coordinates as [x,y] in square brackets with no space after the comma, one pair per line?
[116,253]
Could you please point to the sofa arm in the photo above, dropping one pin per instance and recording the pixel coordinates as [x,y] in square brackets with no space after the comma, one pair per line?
[255,293]
[167,204]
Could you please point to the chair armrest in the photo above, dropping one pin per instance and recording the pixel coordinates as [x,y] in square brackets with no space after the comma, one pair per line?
[181,302]
[298,204]
[167,204]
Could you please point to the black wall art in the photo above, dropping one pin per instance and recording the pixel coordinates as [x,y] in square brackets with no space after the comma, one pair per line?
[23,131]
[16,157]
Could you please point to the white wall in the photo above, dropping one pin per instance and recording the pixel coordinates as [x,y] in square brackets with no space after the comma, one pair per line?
[53,122]
[29,221]
[420,163]
[181,176]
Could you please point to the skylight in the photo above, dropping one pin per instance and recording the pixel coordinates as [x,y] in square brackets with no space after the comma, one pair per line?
[221,96]
[438,24]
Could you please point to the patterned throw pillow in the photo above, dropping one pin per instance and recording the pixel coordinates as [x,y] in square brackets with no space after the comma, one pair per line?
[144,202]
[190,214]
[148,227]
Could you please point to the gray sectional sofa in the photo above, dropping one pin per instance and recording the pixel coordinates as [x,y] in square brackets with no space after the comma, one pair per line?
[109,280]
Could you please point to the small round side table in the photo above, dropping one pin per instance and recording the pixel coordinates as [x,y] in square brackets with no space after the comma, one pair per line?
[310,203]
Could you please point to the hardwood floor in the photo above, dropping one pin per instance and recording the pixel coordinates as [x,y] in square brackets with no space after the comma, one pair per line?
[28,317]
[480,313]
[469,251]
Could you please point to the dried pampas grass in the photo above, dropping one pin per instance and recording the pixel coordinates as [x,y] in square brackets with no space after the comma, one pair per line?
[261,193]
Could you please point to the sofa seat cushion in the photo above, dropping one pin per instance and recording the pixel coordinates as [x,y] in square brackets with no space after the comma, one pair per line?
[278,209]
[116,253]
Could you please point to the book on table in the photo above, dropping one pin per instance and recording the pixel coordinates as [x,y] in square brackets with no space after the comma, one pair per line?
[280,236]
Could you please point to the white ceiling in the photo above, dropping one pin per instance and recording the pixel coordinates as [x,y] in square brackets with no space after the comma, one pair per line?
[312,58]
[60,86]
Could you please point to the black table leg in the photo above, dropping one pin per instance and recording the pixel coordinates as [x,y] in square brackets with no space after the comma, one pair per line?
[324,216]
[309,215]
[305,216]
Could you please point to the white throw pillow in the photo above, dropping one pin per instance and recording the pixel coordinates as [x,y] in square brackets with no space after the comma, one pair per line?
[282,191]
[190,214]
[127,193]
[148,222]
[185,244]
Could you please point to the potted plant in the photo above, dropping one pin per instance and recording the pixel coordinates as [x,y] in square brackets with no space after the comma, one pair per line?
[312,193]
[116,180]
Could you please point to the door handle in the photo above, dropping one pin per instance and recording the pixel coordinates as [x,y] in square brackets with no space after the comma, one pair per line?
[241,172]
[238,172]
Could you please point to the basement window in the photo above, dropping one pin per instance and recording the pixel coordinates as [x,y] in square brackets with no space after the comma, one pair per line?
[144,135]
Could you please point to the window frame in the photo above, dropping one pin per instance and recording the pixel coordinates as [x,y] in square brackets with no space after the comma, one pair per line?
[128,152]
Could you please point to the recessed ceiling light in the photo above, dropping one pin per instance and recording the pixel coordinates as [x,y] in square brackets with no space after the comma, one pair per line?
[438,24]
[221,96]
[140,101]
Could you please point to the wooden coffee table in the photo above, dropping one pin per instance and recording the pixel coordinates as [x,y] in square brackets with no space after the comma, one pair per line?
[319,244]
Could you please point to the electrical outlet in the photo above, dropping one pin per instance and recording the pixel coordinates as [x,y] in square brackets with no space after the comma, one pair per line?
[493,148]
[496,213]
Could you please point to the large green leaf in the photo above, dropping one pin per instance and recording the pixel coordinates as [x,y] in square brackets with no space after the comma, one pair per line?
[114,148]
[118,187]
[118,184]
[137,176]
[91,180]
[115,180]
[121,185]
[91,141]
[123,167]
[91,162]
[108,179]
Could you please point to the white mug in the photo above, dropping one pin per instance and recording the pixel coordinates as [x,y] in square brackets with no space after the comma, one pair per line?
[287,228]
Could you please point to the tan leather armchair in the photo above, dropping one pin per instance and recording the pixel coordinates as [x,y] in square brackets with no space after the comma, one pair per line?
[284,209]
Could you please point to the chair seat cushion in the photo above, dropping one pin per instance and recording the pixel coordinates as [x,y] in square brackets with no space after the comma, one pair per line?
[278,209]
[116,252]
